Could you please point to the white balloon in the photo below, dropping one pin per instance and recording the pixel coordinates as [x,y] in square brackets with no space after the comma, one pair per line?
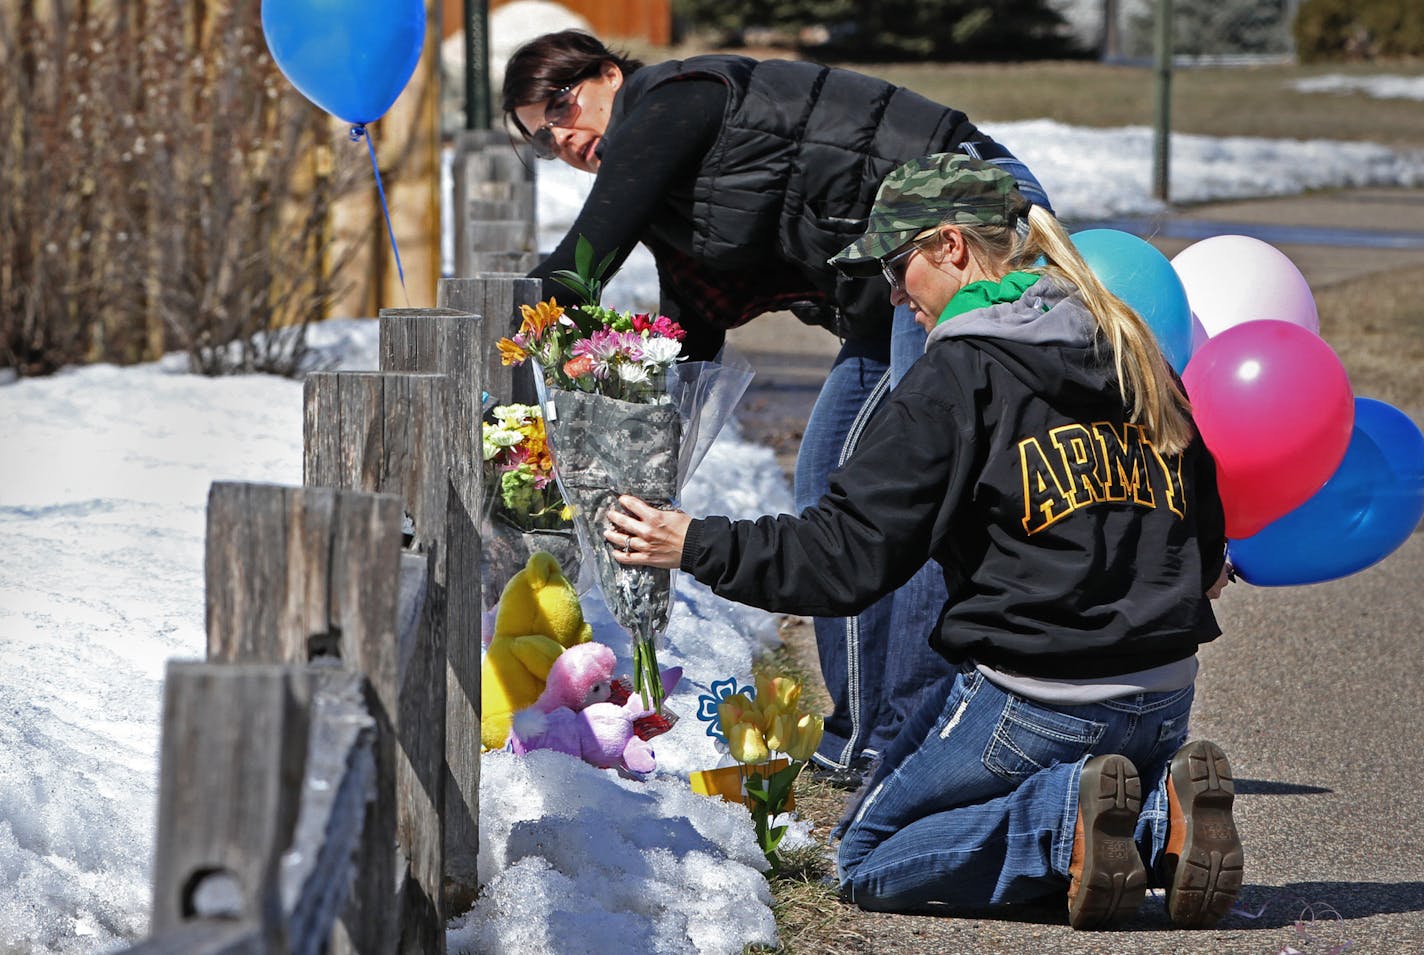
[1231,279]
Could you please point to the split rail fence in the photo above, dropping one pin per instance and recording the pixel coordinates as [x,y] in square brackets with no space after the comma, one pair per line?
[319,772]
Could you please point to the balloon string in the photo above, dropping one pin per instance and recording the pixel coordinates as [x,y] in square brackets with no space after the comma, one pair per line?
[358,132]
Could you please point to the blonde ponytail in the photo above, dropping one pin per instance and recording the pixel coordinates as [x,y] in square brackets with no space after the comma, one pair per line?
[1155,399]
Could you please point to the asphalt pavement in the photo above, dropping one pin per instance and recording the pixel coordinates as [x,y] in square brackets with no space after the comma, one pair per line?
[1316,693]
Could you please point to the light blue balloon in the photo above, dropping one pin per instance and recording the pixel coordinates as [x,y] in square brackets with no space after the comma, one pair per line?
[1368,508]
[1142,277]
[350,57]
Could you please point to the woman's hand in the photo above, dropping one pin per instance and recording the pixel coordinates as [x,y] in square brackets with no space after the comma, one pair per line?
[1228,575]
[645,536]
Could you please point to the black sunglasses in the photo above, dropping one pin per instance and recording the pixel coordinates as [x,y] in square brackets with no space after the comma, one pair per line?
[893,266]
[563,110]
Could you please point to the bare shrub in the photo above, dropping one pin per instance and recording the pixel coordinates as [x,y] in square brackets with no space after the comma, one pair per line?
[164,188]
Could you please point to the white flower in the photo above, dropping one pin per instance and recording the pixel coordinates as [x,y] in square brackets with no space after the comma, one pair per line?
[496,439]
[632,372]
[660,352]
[512,416]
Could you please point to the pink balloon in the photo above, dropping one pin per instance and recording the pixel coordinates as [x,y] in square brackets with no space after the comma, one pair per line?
[1275,408]
[1231,279]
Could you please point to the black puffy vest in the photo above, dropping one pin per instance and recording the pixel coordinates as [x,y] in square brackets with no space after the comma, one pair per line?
[802,152]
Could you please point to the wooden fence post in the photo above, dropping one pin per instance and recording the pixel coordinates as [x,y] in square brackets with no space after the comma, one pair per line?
[496,298]
[233,755]
[266,774]
[447,342]
[299,574]
[494,204]
[386,433]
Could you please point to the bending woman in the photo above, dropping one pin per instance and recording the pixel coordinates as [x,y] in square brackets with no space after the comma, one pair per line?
[1043,452]
[743,177]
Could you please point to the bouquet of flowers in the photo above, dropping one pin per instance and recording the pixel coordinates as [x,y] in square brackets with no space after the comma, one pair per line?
[623,415]
[524,510]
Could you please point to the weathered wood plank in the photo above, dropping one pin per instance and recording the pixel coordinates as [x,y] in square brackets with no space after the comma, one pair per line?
[330,560]
[207,937]
[232,757]
[496,298]
[339,784]
[447,342]
[319,711]
[391,438]
[488,171]
[500,235]
[502,263]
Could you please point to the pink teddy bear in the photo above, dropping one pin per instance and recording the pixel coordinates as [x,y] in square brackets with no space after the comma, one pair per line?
[585,712]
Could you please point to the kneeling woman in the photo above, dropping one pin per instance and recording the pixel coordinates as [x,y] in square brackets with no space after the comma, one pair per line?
[1044,454]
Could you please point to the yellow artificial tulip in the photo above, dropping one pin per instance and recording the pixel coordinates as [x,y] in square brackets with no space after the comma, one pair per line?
[778,734]
[747,744]
[734,709]
[805,738]
[778,694]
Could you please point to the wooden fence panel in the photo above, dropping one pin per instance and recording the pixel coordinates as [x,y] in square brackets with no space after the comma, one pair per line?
[266,774]
[296,574]
[386,433]
[446,341]
[207,937]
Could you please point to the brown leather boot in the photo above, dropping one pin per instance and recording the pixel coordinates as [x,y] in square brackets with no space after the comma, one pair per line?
[1106,877]
[1203,857]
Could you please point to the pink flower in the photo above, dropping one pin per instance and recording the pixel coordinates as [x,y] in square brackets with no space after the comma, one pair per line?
[662,326]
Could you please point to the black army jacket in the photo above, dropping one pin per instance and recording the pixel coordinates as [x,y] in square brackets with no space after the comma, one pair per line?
[1071,547]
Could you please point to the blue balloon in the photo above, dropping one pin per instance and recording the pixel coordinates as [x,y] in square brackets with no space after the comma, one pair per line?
[350,57]
[1368,508]
[1142,277]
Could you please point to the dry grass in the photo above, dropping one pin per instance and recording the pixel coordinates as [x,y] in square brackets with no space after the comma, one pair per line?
[1256,101]
[1376,326]
[1209,101]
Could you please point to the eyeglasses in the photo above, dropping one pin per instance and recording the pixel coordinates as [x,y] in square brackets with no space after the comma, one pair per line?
[893,266]
[562,111]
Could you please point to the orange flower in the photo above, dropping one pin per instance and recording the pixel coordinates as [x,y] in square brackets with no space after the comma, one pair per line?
[580,366]
[538,317]
[510,352]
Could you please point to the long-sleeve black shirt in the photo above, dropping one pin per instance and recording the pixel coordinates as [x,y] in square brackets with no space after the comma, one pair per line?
[656,150]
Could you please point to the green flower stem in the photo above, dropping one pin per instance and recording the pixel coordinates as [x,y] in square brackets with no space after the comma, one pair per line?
[646,678]
[766,797]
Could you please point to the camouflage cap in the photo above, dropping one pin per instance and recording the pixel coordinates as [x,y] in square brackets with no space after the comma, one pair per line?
[924,192]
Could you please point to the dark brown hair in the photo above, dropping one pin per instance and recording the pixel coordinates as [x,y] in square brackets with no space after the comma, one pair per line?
[548,63]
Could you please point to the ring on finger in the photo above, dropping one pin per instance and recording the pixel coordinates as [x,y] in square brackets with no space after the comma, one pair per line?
[627,543]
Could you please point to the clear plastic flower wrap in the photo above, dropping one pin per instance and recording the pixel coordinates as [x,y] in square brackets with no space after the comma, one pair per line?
[605,446]
[523,510]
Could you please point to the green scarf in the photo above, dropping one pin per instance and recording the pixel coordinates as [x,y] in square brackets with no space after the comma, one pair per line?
[982,294]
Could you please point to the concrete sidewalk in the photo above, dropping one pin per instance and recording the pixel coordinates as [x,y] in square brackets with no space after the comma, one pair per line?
[1314,692]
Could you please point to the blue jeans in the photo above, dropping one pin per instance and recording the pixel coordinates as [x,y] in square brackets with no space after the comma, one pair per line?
[976,800]
[877,666]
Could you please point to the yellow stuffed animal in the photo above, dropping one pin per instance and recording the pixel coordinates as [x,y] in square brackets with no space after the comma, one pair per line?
[538,617]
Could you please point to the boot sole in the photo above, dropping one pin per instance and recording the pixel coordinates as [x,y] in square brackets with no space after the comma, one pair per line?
[1204,856]
[1113,880]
